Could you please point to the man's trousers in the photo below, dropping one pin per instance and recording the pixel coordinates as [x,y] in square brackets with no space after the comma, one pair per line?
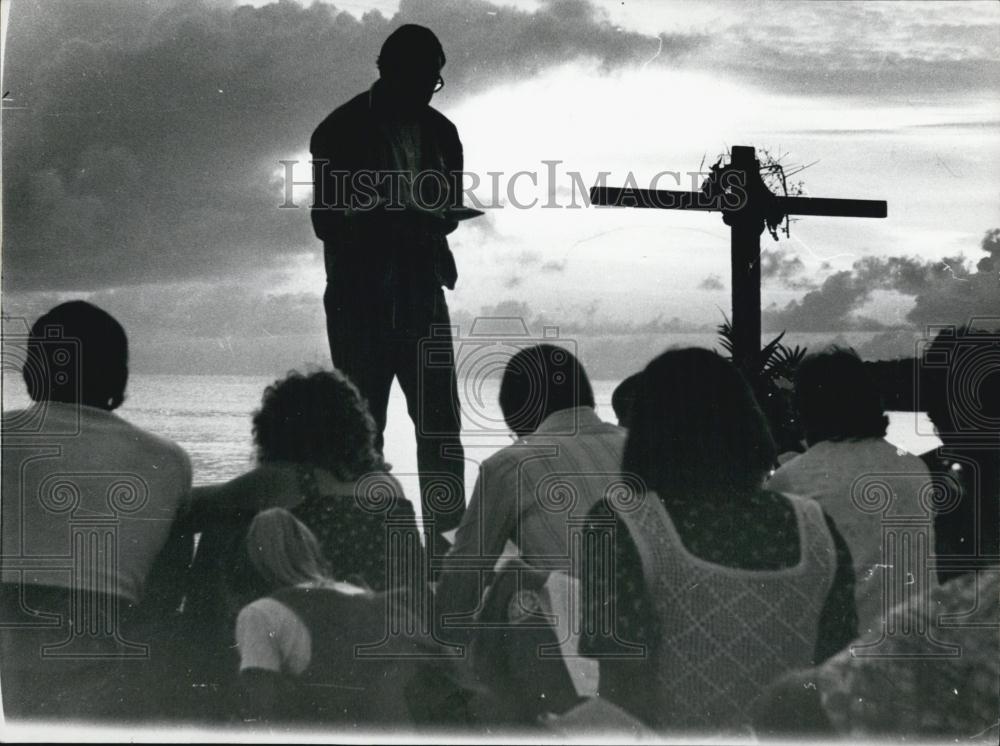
[376,336]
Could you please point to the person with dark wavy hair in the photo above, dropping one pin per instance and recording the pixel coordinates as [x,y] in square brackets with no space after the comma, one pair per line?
[316,458]
[715,585]
[848,465]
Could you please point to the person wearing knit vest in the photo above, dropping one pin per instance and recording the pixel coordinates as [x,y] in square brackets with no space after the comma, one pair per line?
[714,587]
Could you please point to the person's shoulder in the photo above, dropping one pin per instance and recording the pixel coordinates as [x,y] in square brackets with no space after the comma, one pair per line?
[343,116]
[611,432]
[509,457]
[378,489]
[267,614]
[14,421]
[440,121]
[270,479]
[932,458]
[381,481]
[901,459]
[161,450]
[265,607]
[795,465]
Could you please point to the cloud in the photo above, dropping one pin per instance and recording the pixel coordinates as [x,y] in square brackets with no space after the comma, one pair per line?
[196,309]
[882,50]
[528,258]
[776,264]
[954,291]
[577,322]
[199,327]
[951,290]
[146,135]
[826,308]
[712,282]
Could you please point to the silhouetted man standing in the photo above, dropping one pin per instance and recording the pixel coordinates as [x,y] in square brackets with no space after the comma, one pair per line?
[385,170]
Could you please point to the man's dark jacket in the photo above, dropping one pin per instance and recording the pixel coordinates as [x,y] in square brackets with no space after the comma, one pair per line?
[351,140]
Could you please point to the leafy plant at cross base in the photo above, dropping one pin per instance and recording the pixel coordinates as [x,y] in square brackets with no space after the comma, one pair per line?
[771,376]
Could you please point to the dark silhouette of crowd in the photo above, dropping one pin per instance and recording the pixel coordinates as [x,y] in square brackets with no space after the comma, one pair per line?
[664,578]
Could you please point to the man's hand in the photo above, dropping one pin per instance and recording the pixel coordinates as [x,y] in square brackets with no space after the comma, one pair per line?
[435,221]
[423,220]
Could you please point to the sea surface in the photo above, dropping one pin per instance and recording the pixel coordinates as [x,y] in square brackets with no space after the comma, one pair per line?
[209,416]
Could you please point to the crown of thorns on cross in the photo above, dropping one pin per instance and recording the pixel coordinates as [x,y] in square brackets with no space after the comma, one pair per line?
[771,179]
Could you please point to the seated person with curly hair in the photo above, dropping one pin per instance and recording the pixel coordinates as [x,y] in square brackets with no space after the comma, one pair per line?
[315,458]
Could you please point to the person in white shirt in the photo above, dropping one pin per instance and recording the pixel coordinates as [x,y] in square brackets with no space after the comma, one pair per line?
[532,496]
[89,501]
[878,495]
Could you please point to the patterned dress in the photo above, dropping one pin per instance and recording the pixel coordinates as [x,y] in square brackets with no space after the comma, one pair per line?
[368,536]
[933,672]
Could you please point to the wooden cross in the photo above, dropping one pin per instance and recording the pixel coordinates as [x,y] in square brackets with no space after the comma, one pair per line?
[739,192]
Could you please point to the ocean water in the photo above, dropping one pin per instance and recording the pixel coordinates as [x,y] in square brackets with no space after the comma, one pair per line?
[209,416]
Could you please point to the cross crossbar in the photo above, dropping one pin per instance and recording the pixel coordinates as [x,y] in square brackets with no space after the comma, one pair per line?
[665,199]
[746,204]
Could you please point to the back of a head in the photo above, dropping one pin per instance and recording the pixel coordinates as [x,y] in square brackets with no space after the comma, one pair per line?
[408,47]
[77,353]
[318,419]
[696,429]
[960,382]
[539,381]
[837,399]
[283,551]
[623,399]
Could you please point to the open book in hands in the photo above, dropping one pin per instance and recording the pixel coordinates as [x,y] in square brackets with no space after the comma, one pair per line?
[455,214]
[462,213]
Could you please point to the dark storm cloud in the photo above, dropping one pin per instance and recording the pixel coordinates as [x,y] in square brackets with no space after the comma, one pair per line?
[712,282]
[486,42]
[777,264]
[529,260]
[144,137]
[951,290]
[825,73]
[194,309]
[864,49]
[827,308]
